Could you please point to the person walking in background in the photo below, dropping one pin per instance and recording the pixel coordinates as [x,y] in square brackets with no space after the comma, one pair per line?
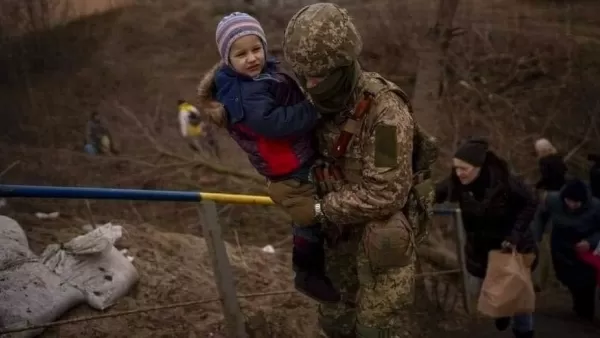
[497,209]
[194,130]
[98,139]
[552,171]
[575,218]
[551,165]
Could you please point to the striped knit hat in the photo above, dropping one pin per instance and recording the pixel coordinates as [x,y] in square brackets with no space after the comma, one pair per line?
[235,26]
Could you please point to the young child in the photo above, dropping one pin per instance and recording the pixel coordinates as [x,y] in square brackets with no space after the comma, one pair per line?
[266,113]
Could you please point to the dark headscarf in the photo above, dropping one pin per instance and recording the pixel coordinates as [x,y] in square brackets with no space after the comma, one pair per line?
[473,151]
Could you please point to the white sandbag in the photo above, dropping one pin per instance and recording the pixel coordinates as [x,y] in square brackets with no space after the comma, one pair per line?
[32,295]
[29,292]
[11,230]
[93,265]
[14,248]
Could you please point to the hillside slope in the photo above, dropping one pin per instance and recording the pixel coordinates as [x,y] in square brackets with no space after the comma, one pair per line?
[521,70]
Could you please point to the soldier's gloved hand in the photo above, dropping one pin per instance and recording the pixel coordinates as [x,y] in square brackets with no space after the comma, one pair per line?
[301,209]
[282,190]
[296,198]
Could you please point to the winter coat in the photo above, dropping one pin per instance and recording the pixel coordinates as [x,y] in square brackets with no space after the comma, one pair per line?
[496,207]
[568,228]
[270,119]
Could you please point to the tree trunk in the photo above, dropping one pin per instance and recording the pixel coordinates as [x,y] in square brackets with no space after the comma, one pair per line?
[430,73]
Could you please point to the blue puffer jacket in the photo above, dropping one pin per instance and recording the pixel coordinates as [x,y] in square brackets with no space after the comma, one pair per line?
[269,118]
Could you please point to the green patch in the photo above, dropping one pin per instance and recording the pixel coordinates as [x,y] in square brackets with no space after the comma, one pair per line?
[386,147]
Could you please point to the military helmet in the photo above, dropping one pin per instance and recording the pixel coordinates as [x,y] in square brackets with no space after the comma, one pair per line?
[319,38]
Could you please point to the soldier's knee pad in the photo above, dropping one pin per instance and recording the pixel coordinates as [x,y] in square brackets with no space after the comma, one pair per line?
[388,244]
[363,331]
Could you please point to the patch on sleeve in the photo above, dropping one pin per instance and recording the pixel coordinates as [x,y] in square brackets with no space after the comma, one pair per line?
[386,146]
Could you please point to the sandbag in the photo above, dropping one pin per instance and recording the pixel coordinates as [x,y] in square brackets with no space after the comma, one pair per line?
[30,294]
[507,288]
[14,248]
[93,265]
[12,231]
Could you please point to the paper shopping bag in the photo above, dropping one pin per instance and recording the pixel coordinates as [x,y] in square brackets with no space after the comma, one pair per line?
[507,288]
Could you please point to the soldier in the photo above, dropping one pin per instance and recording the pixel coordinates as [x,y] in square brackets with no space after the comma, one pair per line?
[374,193]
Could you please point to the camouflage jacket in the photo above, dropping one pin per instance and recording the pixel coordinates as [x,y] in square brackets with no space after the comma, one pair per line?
[378,162]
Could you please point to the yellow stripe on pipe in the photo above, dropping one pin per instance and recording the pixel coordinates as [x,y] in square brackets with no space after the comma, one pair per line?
[236,198]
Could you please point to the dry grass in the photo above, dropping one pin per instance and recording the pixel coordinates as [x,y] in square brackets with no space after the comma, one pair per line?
[177,268]
[519,71]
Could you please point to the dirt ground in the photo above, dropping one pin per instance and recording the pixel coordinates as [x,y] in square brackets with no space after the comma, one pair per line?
[530,69]
[175,267]
[553,320]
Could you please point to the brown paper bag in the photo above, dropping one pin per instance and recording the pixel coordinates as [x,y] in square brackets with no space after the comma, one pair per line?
[507,289]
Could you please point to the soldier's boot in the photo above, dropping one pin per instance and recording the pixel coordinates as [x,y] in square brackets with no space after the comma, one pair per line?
[309,264]
[363,331]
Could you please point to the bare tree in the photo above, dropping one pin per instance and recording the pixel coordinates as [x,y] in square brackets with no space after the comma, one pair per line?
[432,56]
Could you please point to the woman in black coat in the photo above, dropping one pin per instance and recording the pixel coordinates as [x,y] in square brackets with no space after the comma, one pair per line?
[552,166]
[497,209]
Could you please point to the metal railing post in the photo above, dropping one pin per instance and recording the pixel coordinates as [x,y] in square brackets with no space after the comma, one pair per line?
[222,270]
[462,261]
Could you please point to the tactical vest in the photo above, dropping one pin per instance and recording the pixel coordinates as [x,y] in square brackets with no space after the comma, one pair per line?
[419,206]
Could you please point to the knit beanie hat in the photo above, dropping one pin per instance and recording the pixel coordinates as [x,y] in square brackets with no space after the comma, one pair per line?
[233,27]
[473,151]
[575,190]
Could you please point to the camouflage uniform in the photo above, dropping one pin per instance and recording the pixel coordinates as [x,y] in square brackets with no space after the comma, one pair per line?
[372,204]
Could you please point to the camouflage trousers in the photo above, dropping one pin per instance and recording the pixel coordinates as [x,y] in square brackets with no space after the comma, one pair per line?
[377,303]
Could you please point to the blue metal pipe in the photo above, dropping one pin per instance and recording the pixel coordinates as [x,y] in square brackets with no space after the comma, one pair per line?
[38,191]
